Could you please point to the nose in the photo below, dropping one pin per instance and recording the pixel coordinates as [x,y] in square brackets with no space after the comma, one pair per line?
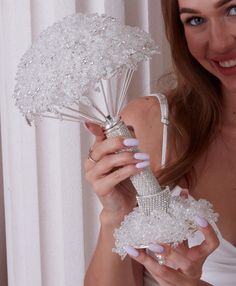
[221,37]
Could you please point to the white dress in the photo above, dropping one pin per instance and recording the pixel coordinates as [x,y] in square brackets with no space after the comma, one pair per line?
[219,268]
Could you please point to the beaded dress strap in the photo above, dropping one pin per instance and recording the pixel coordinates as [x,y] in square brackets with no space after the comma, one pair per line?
[164,119]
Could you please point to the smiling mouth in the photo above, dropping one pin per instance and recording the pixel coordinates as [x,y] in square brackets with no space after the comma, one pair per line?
[226,67]
[227,64]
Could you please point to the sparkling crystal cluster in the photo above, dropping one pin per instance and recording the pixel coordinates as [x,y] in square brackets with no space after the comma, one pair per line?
[172,227]
[149,203]
[71,56]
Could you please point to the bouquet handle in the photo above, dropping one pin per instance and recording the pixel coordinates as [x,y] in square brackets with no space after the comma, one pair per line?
[150,195]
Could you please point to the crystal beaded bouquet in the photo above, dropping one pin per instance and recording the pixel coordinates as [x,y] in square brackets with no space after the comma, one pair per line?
[72,63]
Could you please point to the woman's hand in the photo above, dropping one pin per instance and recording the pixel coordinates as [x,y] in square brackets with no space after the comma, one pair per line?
[183,265]
[109,173]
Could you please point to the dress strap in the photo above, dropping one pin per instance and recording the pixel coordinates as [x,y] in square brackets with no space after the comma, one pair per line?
[164,119]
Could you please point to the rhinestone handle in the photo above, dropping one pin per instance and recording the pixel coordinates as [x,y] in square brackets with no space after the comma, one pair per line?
[150,194]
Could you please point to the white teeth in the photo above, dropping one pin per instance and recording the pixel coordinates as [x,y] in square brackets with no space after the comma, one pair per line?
[228,64]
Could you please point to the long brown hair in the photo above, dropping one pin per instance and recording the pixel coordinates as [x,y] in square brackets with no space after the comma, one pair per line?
[195,103]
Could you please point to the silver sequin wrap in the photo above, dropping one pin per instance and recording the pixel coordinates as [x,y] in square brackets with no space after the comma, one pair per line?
[158,201]
[150,194]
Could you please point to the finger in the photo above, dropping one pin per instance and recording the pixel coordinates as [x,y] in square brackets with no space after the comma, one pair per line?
[110,146]
[178,261]
[101,149]
[182,248]
[161,252]
[103,186]
[176,258]
[109,163]
[159,272]
[210,243]
[96,130]
[159,249]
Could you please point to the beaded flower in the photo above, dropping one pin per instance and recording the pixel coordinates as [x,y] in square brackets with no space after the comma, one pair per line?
[71,58]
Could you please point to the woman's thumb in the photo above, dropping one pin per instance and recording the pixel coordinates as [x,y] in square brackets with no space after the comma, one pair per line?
[96,130]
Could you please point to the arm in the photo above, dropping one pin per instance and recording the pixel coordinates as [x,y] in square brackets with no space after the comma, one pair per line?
[108,178]
[107,268]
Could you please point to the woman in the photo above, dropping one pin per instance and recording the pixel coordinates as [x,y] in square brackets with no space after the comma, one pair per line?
[202,133]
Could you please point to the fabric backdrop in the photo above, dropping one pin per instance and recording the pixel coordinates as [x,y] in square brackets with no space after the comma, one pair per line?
[48,214]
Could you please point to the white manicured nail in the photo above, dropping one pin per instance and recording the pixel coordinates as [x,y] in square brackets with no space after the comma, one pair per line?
[201,221]
[132,251]
[142,156]
[156,248]
[142,164]
[130,142]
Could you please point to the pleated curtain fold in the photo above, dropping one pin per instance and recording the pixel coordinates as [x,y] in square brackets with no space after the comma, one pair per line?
[48,213]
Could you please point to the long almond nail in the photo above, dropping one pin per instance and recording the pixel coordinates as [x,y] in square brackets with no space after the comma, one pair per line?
[130,142]
[201,221]
[132,251]
[156,248]
[143,164]
[141,156]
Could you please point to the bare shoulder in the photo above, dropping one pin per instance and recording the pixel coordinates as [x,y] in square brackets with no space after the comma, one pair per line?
[137,108]
[144,116]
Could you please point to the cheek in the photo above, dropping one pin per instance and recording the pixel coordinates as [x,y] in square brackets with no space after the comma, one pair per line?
[196,46]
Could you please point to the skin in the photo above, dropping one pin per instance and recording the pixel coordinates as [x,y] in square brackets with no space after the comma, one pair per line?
[214,38]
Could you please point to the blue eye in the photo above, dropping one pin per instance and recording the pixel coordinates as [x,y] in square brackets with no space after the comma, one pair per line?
[232,11]
[195,21]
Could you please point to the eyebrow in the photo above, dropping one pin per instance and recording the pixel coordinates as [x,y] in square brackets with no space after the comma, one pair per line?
[188,10]
[193,11]
[221,3]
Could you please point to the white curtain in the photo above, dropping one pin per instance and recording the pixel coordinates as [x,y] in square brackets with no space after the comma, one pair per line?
[50,217]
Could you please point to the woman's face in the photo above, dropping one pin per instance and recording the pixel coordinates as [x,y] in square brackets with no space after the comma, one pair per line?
[210,30]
